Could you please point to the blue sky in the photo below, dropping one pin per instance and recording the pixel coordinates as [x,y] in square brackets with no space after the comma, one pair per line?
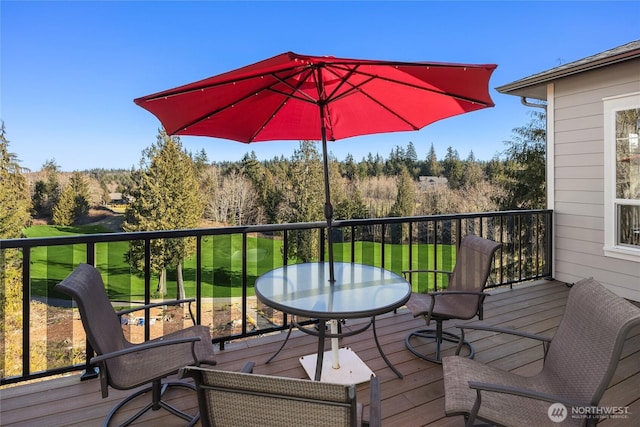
[70,70]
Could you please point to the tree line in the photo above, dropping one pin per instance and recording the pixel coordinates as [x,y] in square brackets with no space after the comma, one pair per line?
[173,189]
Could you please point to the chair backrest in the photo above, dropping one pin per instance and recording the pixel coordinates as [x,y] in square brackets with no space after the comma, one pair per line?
[586,347]
[101,324]
[244,399]
[473,264]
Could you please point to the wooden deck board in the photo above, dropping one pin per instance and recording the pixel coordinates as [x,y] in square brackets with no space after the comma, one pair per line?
[416,400]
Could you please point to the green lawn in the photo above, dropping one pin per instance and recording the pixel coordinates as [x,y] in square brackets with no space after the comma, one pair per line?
[221,261]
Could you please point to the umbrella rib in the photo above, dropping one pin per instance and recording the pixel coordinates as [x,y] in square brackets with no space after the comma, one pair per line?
[306,98]
[287,96]
[358,88]
[415,86]
[239,100]
[177,91]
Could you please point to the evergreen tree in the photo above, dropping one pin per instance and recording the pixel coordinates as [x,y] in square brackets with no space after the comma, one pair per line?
[14,196]
[397,160]
[526,165]
[404,205]
[411,155]
[405,200]
[15,206]
[350,169]
[472,172]
[264,181]
[73,202]
[433,167]
[411,160]
[452,168]
[47,193]
[81,202]
[166,197]
[305,199]
[63,210]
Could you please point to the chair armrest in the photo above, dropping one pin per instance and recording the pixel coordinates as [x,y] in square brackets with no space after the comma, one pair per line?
[478,293]
[523,392]
[506,331]
[546,341]
[145,346]
[375,406]
[155,304]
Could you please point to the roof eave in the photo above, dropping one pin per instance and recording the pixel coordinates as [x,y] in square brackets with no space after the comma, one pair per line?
[535,86]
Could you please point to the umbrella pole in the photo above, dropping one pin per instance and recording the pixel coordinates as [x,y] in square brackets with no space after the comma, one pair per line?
[328,208]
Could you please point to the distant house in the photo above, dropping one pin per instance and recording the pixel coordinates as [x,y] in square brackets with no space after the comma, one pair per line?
[593,164]
[425,182]
[118,199]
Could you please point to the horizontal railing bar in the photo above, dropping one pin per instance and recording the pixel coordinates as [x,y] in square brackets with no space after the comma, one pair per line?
[30,242]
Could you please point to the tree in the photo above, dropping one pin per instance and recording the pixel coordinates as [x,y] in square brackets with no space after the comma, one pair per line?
[526,165]
[452,168]
[46,193]
[73,202]
[264,181]
[15,206]
[411,160]
[352,206]
[404,205]
[14,196]
[305,199]
[397,160]
[472,172]
[350,168]
[236,202]
[166,197]
[433,166]
[63,211]
[405,200]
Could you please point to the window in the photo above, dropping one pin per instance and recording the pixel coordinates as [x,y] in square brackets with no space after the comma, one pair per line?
[622,176]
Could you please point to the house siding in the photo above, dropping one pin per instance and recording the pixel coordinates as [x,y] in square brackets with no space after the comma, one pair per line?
[578,187]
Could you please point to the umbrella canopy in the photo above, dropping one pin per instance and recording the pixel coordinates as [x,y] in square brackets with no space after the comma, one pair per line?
[300,97]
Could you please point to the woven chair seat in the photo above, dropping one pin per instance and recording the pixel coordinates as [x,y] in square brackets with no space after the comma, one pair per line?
[580,360]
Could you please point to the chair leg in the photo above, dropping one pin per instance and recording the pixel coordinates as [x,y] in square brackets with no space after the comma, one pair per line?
[283,344]
[157,389]
[438,336]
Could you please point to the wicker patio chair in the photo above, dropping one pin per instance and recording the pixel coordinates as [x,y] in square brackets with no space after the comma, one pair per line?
[463,298]
[125,365]
[230,399]
[579,362]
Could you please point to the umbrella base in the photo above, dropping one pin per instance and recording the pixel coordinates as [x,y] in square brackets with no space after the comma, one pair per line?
[352,369]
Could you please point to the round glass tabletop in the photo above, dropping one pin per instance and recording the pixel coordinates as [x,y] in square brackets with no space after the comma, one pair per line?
[359,290]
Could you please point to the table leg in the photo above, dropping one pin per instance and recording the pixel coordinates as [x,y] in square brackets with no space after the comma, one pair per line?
[375,336]
[322,324]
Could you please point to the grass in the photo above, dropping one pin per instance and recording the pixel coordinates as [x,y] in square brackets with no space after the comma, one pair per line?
[222,259]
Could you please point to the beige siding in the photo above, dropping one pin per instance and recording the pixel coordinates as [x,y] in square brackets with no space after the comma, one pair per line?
[579,177]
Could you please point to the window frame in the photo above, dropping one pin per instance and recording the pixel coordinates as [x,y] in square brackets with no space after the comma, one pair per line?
[611,105]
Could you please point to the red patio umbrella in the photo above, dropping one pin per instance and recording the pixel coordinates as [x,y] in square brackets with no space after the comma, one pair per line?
[300,97]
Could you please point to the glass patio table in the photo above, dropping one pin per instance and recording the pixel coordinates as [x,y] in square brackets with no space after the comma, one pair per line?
[359,292]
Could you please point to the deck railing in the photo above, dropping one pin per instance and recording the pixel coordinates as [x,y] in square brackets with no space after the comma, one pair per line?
[42,336]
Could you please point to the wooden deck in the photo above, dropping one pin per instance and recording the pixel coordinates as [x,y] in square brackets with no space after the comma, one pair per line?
[416,400]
